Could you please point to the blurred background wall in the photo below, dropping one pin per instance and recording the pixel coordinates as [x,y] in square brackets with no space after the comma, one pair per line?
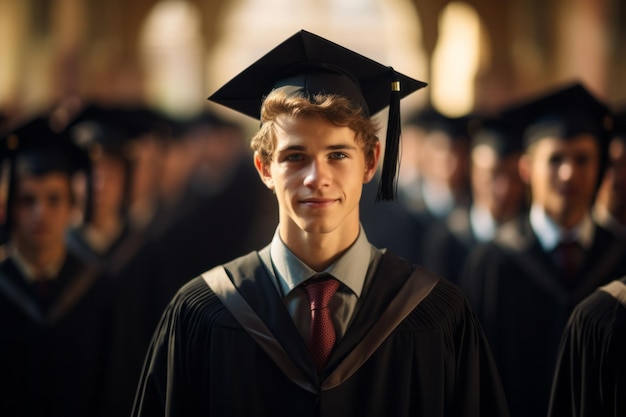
[476,55]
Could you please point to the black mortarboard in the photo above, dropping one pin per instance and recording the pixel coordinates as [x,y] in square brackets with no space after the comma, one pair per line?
[619,127]
[564,112]
[34,148]
[142,120]
[496,132]
[432,120]
[39,149]
[307,64]
[100,129]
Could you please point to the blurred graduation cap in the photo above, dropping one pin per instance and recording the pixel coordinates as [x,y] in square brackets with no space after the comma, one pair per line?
[34,148]
[496,132]
[564,113]
[143,120]
[619,127]
[100,129]
[306,65]
[431,120]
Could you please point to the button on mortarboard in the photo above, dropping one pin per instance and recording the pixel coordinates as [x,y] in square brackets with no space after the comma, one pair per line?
[307,64]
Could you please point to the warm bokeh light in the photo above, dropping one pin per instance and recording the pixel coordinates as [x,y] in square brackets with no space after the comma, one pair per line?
[172,52]
[456,59]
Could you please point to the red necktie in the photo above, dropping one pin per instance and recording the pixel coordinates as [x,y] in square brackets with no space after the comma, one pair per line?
[569,255]
[322,331]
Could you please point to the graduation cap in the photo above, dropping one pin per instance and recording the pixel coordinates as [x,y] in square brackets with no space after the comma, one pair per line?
[34,148]
[619,126]
[496,132]
[564,113]
[100,129]
[432,120]
[38,149]
[306,65]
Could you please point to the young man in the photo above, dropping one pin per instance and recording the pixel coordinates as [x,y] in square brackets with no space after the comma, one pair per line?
[101,236]
[52,307]
[590,377]
[497,194]
[526,282]
[386,338]
[610,206]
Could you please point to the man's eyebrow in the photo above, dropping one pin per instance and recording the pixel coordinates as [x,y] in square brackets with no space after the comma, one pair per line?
[329,147]
[341,146]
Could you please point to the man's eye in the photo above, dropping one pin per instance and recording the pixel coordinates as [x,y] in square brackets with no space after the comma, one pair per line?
[54,200]
[26,201]
[338,155]
[582,159]
[556,160]
[294,157]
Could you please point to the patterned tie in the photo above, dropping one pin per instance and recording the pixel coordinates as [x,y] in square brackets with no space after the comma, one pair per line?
[43,292]
[569,257]
[322,331]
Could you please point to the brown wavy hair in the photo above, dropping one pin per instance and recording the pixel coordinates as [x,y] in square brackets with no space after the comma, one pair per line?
[336,109]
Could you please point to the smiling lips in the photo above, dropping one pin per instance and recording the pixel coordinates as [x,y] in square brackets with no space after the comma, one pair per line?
[318,202]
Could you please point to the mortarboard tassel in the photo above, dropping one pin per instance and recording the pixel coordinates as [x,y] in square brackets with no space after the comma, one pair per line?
[388,180]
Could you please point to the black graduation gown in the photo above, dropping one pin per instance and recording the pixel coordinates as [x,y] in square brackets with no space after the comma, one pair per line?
[590,377]
[449,244]
[523,304]
[203,363]
[391,225]
[207,231]
[51,363]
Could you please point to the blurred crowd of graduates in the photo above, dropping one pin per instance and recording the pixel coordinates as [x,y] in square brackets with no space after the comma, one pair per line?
[159,200]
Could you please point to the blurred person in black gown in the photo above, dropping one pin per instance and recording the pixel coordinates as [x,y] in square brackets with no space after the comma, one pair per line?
[104,234]
[53,305]
[497,196]
[610,206]
[219,211]
[443,152]
[590,376]
[235,341]
[402,230]
[525,283]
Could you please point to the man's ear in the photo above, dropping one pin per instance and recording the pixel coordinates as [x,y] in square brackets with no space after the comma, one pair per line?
[524,167]
[264,171]
[372,164]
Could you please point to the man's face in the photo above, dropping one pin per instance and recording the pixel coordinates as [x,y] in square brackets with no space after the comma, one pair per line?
[42,210]
[109,178]
[563,175]
[496,184]
[317,172]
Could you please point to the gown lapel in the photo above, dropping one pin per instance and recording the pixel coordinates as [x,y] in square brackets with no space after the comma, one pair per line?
[254,300]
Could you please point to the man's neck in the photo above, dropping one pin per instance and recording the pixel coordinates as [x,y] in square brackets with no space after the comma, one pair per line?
[42,258]
[318,250]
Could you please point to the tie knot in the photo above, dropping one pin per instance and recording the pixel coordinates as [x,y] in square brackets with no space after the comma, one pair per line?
[321,290]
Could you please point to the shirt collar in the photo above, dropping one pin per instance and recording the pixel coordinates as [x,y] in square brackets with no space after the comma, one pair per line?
[29,271]
[550,234]
[350,269]
[482,222]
